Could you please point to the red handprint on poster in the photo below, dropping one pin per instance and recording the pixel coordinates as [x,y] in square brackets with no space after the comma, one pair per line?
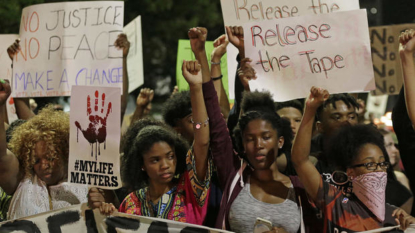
[96,133]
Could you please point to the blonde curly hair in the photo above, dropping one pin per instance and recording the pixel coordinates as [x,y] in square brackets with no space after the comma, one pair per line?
[50,126]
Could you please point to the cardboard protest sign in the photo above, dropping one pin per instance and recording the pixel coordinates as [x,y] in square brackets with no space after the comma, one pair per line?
[386,60]
[292,55]
[376,106]
[66,44]
[6,70]
[184,52]
[238,12]
[135,56]
[79,218]
[94,157]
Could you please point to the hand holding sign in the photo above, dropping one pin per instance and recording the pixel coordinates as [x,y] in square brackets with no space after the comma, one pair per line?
[317,97]
[236,37]
[197,38]
[407,42]
[191,72]
[14,49]
[97,128]
[123,43]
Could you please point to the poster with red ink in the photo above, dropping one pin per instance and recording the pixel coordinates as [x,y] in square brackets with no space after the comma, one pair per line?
[68,44]
[330,51]
[238,12]
[94,157]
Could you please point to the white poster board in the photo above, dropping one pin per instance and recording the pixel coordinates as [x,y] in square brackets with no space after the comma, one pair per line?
[94,157]
[81,219]
[330,51]
[66,44]
[238,12]
[135,55]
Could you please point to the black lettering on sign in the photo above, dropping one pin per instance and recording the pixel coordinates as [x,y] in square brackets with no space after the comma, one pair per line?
[122,223]
[91,225]
[193,230]
[158,227]
[21,225]
[55,222]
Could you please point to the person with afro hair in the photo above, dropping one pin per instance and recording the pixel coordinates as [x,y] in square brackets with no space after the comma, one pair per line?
[358,155]
[177,112]
[253,187]
[169,184]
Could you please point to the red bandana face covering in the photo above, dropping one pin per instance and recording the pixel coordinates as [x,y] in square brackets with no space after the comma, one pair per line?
[370,189]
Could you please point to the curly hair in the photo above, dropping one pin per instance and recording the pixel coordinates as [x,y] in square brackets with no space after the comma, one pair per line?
[290,104]
[140,137]
[177,107]
[349,140]
[12,127]
[259,105]
[50,126]
[349,100]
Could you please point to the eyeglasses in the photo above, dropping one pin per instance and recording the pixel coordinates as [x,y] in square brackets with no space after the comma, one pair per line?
[373,166]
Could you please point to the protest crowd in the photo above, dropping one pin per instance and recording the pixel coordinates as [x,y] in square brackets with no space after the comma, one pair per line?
[312,164]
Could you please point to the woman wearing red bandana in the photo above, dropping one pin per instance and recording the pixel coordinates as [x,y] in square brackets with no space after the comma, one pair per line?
[360,156]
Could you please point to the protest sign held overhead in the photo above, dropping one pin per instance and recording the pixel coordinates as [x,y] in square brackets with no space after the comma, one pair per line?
[238,12]
[66,44]
[292,55]
[135,56]
[184,52]
[94,157]
[386,60]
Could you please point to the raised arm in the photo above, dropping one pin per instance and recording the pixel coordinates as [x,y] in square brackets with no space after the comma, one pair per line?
[23,110]
[10,175]
[192,74]
[197,38]
[142,103]
[220,45]
[305,169]
[406,51]
[123,43]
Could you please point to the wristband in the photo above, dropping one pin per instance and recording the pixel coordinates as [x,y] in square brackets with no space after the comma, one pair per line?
[215,63]
[217,78]
[198,125]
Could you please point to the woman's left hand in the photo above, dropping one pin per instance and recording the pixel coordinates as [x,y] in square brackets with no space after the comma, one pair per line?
[402,218]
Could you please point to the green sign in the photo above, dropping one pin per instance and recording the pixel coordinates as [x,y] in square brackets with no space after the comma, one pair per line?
[185,53]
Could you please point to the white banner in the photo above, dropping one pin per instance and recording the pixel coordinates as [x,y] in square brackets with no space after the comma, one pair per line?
[135,55]
[80,219]
[330,51]
[238,12]
[94,157]
[66,44]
